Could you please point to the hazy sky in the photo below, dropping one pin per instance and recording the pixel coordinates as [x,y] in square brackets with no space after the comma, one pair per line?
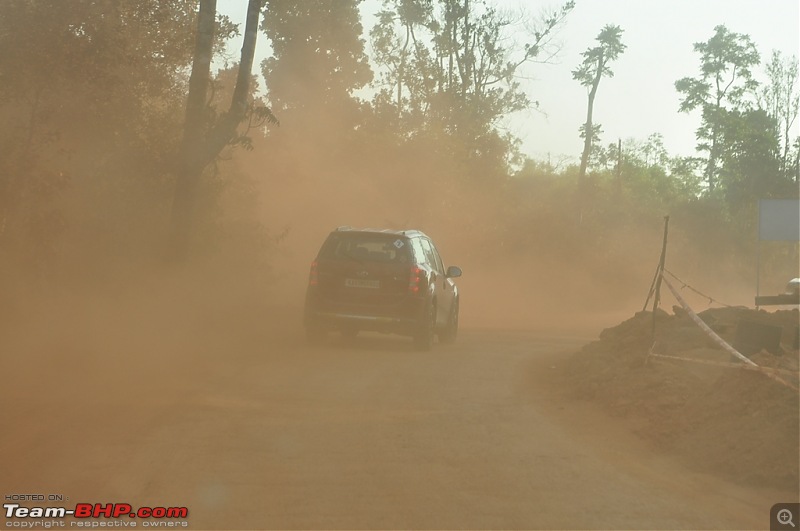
[640,99]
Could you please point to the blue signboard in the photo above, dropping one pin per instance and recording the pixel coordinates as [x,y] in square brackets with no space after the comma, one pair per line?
[779,220]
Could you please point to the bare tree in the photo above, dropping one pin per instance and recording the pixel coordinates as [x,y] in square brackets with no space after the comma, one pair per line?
[780,98]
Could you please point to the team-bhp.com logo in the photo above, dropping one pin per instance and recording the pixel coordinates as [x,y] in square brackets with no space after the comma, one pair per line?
[95,510]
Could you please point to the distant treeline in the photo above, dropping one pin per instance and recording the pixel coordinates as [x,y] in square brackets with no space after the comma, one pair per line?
[93,99]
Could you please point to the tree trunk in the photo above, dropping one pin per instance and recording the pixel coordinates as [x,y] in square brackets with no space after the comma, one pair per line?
[713,152]
[587,142]
[618,172]
[401,73]
[200,146]
[188,173]
[711,167]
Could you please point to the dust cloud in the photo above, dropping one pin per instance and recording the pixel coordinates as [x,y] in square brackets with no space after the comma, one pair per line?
[523,268]
[103,336]
[527,262]
[124,372]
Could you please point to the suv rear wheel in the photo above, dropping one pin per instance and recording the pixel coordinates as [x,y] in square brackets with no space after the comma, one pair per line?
[448,335]
[423,338]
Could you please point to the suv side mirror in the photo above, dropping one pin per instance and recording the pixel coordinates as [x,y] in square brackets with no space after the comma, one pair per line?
[453,272]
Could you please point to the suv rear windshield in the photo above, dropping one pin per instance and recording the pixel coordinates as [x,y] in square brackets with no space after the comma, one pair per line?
[366,247]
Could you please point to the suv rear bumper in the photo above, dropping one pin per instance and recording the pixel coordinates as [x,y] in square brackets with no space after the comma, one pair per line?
[402,318]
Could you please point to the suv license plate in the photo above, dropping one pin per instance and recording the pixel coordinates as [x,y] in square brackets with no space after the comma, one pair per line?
[361,283]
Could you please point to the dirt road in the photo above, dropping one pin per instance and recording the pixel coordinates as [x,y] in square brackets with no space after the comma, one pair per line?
[270,433]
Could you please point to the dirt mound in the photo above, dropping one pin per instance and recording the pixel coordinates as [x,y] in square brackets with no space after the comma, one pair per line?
[728,421]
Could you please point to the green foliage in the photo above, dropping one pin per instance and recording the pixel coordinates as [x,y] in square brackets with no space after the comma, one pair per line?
[90,106]
[751,167]
[596,60]
[449,68]
[747,143]
[318,58]
[725,80]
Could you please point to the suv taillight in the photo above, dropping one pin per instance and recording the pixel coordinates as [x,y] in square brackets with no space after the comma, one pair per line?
[416,280]
[313,277]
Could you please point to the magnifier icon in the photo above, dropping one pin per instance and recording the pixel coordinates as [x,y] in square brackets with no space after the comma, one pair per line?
[785,517]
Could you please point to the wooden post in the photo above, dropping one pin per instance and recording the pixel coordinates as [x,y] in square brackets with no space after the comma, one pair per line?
[619,166]
[651,291]
[659,273]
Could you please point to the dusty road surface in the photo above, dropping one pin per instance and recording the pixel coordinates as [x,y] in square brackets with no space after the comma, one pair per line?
[260,431]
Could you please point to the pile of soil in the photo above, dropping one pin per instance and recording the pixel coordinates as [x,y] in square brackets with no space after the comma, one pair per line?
[729,421]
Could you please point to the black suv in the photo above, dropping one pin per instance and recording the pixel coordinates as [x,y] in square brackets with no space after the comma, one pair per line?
[383,281]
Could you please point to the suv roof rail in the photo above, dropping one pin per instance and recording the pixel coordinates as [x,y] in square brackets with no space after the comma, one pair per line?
[408,233]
